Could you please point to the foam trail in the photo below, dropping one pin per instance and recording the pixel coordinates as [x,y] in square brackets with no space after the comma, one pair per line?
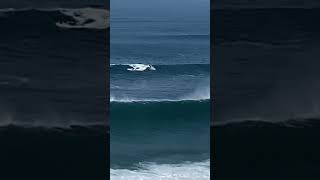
[186,171]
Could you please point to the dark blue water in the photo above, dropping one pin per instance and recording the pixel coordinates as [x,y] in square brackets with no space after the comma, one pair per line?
[159,90]
[266,84]
[53,80]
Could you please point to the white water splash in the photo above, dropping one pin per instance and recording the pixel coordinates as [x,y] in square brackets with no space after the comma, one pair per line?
[140,67]
[185,171]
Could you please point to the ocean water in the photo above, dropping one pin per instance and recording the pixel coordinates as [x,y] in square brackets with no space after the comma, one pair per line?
[53,63]
[266,84]
[159,92]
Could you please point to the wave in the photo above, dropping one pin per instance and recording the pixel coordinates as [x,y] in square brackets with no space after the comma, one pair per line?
[78,18]
[77,130]
[51,125]
[152,171]
[161,68]
[181,36]
[88,18]
[140,67]
[160,111]
[132,100]
[46,121]
[259,123]
[199,94]
[149,132]
[264,44]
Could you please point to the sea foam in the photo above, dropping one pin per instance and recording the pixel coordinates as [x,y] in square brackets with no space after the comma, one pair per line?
[85,18]
[151,171]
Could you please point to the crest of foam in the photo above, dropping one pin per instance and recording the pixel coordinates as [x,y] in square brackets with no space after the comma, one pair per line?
[185,171]
[85,18]
[140,67]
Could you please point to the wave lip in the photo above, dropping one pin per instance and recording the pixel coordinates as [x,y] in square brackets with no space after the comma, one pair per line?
[152,171]
[87,18]
[132,100]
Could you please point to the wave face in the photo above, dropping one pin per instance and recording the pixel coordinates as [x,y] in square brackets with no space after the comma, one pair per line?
[162,132]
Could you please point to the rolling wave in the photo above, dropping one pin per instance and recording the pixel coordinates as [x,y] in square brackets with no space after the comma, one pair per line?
[259,123]
[132,100]
[199,94]
[59,124]
[73,130]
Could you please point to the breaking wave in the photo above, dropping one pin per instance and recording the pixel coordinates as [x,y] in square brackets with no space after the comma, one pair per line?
[79,18]
[89,18]
[151,171]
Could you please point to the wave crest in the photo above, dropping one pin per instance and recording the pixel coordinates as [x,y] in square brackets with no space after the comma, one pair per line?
[87,18]
[140,67]
[78,18]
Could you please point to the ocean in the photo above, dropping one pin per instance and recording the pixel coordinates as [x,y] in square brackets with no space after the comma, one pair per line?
[53,84]
[266,83]
[160,95]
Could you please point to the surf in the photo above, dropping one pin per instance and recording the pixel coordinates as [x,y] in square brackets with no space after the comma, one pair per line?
[153,171]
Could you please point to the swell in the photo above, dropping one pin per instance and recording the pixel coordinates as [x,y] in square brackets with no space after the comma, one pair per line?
[72,130]
[161,83]
[286,123]
[277,26]
[165,68]
[160,111]
[179,37]
[53,126]
[163,132]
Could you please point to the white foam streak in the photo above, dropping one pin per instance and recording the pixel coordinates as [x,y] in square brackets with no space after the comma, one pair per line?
[87,18]
[140,67]
[130,100]
[186,171]
[83,18]
[200,94]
